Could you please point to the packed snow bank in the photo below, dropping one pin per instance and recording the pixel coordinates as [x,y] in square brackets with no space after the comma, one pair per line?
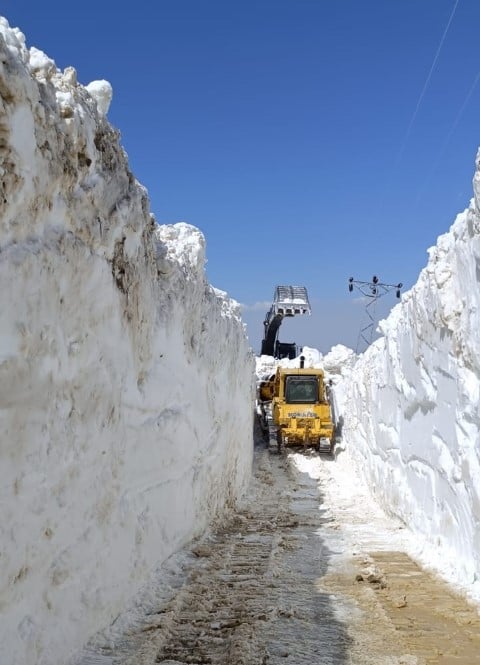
[266,365]
[119,366]
[411,405]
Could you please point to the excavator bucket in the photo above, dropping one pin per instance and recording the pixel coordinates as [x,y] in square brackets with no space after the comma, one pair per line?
[291,300]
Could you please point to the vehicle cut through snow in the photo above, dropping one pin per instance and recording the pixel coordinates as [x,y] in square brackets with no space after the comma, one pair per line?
[295,409]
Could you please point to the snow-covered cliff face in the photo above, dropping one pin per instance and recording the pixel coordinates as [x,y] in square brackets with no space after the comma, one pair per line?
[119,366]
[411,404]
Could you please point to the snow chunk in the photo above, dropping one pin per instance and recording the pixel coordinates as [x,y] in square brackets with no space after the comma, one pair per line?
[102,92]
[14,38]
[476,184]
[229,306]
[41,65]
[339,359]
[183,244]
[265,366]
[70,76]
[313,358]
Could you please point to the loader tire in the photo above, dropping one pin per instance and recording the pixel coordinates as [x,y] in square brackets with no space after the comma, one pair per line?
[279,440]
[266,435]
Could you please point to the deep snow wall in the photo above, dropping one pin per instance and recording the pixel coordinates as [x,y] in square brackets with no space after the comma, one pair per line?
[411,404]
[119,365]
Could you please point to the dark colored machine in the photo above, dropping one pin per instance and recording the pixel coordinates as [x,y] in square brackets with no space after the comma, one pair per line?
[288,301]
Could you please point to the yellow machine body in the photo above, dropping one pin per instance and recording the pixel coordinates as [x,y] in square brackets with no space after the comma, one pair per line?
[301,410]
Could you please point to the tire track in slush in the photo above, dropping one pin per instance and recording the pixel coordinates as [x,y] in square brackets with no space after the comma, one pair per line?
[247,600]
[281,582]
[248,595]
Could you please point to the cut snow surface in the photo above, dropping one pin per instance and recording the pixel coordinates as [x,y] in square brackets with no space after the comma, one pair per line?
[411,406]
[119,364]
[127,383]
[407,421]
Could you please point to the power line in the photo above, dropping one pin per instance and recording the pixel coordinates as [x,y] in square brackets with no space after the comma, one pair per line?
[425,85]
[449,136]
[398,159]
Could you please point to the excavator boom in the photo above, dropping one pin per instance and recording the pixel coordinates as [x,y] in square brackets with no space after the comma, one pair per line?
[287,301]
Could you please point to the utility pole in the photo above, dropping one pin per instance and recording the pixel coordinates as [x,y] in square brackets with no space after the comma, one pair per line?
[372,291]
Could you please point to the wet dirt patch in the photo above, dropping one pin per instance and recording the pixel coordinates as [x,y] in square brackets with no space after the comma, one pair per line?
[403,615]
[435,622]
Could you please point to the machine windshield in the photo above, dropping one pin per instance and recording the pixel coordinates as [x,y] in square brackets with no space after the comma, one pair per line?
[301,390]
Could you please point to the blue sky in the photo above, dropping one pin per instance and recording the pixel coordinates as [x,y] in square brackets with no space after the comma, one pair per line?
[310,140]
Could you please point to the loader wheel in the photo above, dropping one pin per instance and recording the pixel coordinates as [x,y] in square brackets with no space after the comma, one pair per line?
[279,440]
[266,435]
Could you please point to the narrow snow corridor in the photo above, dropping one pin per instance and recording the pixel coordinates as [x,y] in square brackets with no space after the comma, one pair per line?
[302,573]
[133,531]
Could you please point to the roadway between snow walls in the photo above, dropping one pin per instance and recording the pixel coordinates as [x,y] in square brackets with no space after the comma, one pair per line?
[411,404]
[119,366]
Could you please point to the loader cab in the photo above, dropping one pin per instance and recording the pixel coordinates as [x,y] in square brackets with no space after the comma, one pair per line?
[301,390]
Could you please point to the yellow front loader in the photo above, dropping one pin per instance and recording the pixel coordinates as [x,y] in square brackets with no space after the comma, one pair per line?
[300,413]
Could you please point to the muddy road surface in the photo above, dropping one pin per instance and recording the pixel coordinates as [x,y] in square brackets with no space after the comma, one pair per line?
[300,576]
